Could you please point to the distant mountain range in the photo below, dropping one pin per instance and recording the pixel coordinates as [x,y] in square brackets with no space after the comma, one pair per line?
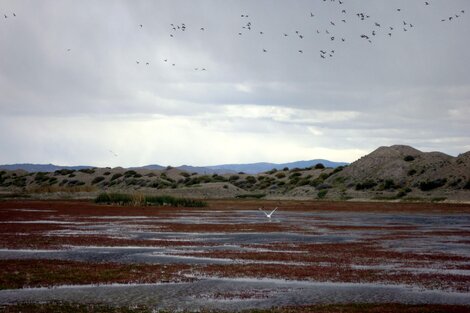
[250,168]
[28,167]
[255,168]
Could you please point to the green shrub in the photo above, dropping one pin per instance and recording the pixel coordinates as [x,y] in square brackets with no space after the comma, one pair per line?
[130,173]
[319,166]
[41,177]
[64,172]
[430,185]
[303,182]
[316,182]
[75,182]
[218,178]
[253,195]
[97,180]
[369,184]
[19,182]
[467,185]
[116,176]
[403,192]
[389,184]
[411,172]
[233,178]
[295,175]
[338,169]
[87,170]
[250,179]
[455,182]
[106,173]
[280,175]
[271,171]
[409,158]
[322,194]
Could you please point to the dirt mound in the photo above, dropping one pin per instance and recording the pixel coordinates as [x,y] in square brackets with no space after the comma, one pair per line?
[405,167]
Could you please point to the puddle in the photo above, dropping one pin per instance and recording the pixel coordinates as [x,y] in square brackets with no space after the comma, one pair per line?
[31,210]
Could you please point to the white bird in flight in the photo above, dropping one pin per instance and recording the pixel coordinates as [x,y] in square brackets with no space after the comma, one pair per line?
[268,215]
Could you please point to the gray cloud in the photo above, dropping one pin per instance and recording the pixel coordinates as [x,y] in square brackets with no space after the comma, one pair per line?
[412,87]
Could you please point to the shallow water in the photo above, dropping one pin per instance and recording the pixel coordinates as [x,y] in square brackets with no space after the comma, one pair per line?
[418,232]
[234,294]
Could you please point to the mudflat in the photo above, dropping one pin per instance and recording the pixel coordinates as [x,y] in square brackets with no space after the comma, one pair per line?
[230,256]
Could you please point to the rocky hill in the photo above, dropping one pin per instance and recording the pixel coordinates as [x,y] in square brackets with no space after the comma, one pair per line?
[406,170]
[388,173]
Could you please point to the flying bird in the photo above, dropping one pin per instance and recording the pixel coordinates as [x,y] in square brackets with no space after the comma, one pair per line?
[268,215]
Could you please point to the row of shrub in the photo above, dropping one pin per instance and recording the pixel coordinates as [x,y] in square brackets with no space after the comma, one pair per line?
[139,199]
[427,185]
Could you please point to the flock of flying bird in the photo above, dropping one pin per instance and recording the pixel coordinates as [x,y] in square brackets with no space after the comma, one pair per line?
[375,30]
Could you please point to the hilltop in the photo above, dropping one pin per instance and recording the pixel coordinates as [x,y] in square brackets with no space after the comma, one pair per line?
[388,173]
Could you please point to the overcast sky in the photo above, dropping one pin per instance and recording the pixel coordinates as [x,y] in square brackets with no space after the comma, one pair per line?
[72,91]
